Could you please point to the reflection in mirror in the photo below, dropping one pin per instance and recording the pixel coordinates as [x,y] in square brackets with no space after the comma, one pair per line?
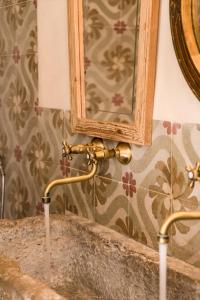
[110,49]
[196,20]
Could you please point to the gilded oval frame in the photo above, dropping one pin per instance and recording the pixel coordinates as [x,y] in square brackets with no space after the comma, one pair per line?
[183,42]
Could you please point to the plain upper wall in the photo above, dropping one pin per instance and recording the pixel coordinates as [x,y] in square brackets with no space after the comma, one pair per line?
[53,61]
[173,98]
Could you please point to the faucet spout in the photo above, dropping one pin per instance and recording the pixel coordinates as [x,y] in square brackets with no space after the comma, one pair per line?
[47,199]
[163,236]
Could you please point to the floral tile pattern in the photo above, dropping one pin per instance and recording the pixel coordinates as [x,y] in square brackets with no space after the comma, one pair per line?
[147,211]
[51,127]
[7,29]
[80,196]
[185,151]
[26,33]
[111,205]
[6,2]
[27,68]
[153,185]
[22,193]
[148,163]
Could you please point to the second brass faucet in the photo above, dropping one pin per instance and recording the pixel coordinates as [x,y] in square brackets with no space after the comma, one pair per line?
[163,236]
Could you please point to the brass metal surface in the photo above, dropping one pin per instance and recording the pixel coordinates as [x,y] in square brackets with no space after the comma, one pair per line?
[123,153]
[68,180]
[95,145]
[95,151]
[193,174]
[163,236]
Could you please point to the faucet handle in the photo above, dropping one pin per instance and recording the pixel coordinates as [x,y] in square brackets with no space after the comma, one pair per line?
[91,156]
[66,151]
[193,174]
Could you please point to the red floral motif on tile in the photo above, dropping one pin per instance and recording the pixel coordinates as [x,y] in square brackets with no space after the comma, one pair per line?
[38,110]
[87,63]
[16,55]
[129,184]
[18,153]
[117,100]
[64,166]
[171,127]
[120,27]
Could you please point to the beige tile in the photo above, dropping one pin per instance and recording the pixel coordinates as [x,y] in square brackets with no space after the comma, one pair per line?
[7,30]
[22,192]
[6,133]
[26,32]
[8,73]
[185,150]
[15,150]
[6,2]
[111,204]
[109,10]
[149,164]
[147,212]
[116,61]
[51,123]
[4,143]
[18,115]
[80,196]
[27,68]
[44,150]
[129,13]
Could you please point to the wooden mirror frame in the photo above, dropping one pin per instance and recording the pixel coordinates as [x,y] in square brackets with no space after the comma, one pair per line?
[184,43]
[139,131]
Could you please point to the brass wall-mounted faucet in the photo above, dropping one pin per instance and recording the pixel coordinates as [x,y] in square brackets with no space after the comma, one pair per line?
[163,236]
[94,151]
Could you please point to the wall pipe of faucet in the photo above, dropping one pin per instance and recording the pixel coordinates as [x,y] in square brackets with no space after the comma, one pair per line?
[163,236]
[46,198]
[2,172]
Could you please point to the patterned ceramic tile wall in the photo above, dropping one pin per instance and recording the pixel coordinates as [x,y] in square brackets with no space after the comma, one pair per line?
[30,137]
[133,199]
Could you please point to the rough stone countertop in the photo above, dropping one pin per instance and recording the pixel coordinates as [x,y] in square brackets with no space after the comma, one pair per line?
[89,257]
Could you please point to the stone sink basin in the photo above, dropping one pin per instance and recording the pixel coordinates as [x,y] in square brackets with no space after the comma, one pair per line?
[88,261]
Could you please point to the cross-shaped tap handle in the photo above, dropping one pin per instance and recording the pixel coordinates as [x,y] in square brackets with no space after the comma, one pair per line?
[90,156]
[66,151]
[193,174]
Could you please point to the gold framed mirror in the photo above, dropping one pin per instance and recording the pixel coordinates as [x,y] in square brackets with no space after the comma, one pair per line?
[117,39]
[185,28]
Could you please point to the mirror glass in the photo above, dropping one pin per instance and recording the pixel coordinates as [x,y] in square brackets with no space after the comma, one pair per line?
[110,49]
